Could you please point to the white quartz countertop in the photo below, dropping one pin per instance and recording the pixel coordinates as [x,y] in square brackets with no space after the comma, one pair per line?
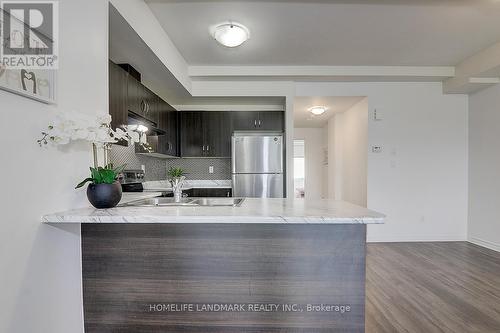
[252,210]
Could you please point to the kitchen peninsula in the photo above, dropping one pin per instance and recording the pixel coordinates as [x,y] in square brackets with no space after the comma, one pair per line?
[267,265]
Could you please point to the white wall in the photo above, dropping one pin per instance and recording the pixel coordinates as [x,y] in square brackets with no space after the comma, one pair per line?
[313,139]
[484,168]
[40,279]
[420,178]
[348,149]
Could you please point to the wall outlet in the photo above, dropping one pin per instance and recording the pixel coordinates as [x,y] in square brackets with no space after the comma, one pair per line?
[211,169]
[143,167]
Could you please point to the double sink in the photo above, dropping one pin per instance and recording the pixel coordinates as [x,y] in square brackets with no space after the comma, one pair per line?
[193,202]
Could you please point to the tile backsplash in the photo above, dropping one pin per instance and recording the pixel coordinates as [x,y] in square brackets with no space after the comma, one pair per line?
[156,168]
[197,168]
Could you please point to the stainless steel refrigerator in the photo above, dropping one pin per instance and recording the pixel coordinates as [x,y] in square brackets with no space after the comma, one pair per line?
[257,164]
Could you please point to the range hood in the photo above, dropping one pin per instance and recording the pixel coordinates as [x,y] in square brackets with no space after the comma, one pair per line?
[136,120]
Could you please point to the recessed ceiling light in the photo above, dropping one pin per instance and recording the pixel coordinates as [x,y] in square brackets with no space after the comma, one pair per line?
[230,34]
[317,110]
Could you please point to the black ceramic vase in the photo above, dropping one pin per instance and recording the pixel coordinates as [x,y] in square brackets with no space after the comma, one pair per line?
[104,195]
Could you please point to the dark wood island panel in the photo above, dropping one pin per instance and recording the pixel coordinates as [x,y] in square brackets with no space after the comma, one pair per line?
[253,277]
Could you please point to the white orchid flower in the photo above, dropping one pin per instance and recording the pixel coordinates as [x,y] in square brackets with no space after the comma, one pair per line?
[143,139]
[104,119]
[74,126]
[134,137]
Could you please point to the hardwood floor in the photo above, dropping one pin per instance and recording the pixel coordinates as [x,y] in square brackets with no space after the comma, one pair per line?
[432,287]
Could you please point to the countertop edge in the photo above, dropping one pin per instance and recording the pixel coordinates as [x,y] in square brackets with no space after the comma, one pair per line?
[52,219]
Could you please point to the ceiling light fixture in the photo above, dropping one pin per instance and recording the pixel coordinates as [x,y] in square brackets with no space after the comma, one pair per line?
[317,110]
[230,34]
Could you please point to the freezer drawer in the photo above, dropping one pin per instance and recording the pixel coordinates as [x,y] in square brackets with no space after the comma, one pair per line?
[257,154]
[258,185]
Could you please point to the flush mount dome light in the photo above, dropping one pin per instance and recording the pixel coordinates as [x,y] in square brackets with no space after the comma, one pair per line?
[317,110]
[230,34]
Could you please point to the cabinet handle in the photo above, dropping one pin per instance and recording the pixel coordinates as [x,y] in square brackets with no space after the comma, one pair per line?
[208,147]
[255,123]
[203,148]
[260,122]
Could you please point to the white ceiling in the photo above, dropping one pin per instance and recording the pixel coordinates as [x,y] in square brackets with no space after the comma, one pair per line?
[125,46]
[303,118]
[336,33]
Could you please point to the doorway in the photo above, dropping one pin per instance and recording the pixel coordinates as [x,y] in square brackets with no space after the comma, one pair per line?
[299,172]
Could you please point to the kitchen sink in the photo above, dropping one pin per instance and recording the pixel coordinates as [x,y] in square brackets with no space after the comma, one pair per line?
[193,202]
[235,202]
[160,201]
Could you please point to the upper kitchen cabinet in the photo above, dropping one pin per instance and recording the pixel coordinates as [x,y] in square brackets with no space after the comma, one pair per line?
[191,134]
[262,120]
[271,121]
[118,105]
[135,93]
[244,120]
[168,142]
[205,134]
[150,105]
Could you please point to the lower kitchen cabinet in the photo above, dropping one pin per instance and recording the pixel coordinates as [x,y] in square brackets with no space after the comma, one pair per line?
[206,192]
[211,192]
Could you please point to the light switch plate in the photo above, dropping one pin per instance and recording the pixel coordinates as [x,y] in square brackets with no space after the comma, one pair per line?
[378,115]
[376,149]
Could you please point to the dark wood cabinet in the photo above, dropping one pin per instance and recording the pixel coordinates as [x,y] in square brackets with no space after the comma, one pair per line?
[208,133]
[206,192]
[191,134]
[244,120]
[271,121]
[211,192]
[186,133]
[127,94]
[141,100]
[205,134]
[217,133]
[258,120]
[118,106]
[134,95]
[149,105]
[168,142]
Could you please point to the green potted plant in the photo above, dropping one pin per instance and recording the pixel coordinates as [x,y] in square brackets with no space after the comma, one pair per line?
[104,190]
[176,178]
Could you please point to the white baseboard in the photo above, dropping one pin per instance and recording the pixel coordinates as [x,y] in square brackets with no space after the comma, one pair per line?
[484,243]
[405,238]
